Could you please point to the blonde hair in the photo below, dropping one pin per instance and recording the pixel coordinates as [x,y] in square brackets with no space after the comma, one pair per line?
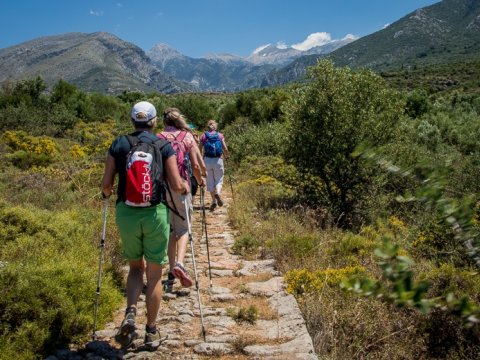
[212,125]
[173,117]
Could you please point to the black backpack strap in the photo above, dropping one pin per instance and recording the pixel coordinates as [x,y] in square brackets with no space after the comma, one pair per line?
[175,210]
[132,140]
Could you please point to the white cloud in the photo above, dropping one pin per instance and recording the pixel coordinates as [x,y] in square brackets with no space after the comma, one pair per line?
[260,48]
[350,37]
[96,12]
[312,40]
[281,45]
[386,25]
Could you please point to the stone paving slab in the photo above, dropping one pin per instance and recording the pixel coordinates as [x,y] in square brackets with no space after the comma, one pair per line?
[236,284]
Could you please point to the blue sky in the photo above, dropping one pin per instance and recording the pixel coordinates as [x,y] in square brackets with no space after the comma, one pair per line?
[199,27]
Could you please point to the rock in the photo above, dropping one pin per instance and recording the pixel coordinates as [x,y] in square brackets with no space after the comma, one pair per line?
[220,273]
[266,288]
[251,268]
[210,349]
[219,290]
[192,342]
[184,318]
[172,343]
[222,297]
[219,321]
[169,296]
[286,305]
[225,338]
[102,334]
[224,265]
[186,312]
[303,342]
[211,312]
[183,292]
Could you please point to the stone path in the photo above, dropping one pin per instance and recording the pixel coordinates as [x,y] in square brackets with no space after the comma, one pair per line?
[247,313]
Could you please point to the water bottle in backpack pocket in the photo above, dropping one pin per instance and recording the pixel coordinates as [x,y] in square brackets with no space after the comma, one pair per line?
[213,146]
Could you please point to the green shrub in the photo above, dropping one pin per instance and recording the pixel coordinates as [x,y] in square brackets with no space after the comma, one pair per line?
[447,278]
[245,245]
[293,246]
[244,314]
[245,139]
[48,280]
[268,192]
[351,247]
[339,110]
[302,281]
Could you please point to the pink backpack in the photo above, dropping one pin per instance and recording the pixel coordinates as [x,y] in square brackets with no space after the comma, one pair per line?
[183,162]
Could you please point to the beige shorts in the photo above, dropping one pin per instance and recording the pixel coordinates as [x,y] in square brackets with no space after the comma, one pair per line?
[180,203]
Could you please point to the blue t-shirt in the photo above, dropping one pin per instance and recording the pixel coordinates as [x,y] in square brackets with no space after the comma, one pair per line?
[121,147]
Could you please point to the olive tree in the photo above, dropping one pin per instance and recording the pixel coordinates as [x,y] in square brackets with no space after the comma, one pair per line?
[338,110]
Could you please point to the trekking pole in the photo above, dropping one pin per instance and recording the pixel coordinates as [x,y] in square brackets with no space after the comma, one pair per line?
[231,184]
[204,228]
[195,268]
[100,260]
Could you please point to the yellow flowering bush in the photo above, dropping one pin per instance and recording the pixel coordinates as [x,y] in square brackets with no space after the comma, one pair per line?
[20,140]
[29,150]
[78,151]
[396,224]
[94,137]
[301,281]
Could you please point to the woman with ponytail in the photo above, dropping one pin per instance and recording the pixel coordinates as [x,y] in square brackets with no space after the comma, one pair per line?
[180,136]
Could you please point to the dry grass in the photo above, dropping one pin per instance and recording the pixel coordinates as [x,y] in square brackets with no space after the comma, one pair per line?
[265,311]
[238,283]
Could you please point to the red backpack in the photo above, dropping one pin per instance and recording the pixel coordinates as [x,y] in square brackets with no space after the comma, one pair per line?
[145,185]
[183,162]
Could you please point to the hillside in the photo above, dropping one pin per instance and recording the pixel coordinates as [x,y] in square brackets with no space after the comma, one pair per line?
[445,32]
[93,62]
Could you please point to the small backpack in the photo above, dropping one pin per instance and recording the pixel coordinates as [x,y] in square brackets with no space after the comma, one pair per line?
[145,185]
[183,161]
[213,146]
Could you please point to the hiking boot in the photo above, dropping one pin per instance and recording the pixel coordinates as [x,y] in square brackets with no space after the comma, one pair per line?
[153,340]
[213,206]
[126,334]
[180,273]
[168,283]
[219,200]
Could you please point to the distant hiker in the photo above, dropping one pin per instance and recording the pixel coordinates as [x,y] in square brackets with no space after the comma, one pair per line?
[142,162]
[214,147]
[203,168]
[180,137]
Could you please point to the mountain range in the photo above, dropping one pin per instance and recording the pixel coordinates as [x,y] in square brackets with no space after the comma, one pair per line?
[444,32]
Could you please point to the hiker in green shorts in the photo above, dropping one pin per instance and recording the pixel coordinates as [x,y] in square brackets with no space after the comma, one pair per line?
[141,215]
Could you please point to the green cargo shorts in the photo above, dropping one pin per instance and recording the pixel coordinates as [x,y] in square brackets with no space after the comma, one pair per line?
[144,232]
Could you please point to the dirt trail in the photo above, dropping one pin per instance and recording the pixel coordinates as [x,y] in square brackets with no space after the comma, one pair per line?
[239,287]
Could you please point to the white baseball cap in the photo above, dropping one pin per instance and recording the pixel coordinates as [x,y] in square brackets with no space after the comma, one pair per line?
[143,111]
